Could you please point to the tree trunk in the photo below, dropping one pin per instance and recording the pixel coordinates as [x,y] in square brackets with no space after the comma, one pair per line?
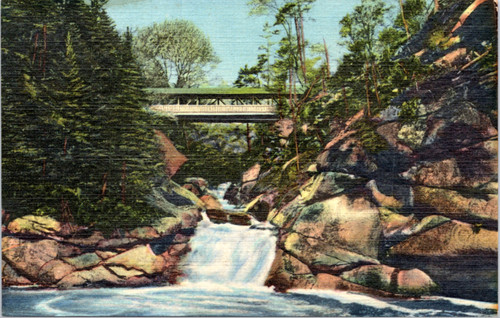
[345,101]
[124,176]
[404,20]
[367,87]
[375,83]
[436,6]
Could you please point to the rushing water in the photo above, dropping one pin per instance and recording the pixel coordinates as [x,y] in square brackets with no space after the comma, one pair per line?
[225,274]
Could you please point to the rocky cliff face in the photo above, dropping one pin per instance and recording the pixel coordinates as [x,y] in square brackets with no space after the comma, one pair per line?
[428,201]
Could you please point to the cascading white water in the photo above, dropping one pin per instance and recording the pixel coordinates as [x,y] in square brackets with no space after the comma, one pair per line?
[228,254]
[220,192]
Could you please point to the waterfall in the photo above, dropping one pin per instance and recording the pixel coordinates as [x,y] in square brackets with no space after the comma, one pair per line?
[219,194]
[227,254]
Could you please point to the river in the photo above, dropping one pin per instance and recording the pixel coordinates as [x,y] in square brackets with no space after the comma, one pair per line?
[224,276]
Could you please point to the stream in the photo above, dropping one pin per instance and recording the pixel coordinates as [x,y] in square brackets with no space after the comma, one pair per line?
[224,276]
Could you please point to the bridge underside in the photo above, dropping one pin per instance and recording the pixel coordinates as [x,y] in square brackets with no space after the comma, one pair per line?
[228,118]
[220,113]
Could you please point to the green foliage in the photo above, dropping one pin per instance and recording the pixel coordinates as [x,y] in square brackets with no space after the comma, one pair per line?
[409,111]
[174,54]
[367,135]
[77,144]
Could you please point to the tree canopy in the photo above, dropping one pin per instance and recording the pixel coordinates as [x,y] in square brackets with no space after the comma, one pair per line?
[174,54]
[77,144]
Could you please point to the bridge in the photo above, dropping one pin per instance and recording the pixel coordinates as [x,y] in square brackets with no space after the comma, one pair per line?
[243,105]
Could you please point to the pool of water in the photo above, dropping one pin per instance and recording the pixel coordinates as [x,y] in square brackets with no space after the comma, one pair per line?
[224,300]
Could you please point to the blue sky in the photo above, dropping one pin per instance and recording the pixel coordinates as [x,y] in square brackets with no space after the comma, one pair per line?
[234,34]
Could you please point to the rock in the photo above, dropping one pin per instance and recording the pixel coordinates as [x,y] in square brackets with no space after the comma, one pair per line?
[54,271]
[238,218]
[284,127]
[451,58]
[347,156]
[167,225]
[211,203]
[179,249]
[123,272]
[407,282]
[139,258]
[95,277]
[288,213]
[172,157]
[428,223]
[330,282]
[261,205]
[27,258]
[192,188]
[251,174]
[352,224]
[382,199]
[137,281]
[32,224]
[199,182]
[449,239]
[454,205]
[415,282]
[389,132]
[323,256]
[83,261]
[448,174]
[144,233]
[186,194]
[189,218]
[394,223]
[105,254]
[287,272]
[91,240]
[327,185]
[116,243]
[11,278]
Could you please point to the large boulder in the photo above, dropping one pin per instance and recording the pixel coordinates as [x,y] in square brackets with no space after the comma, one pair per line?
[54,271]
[11,277]
[32,224]
[323,256]
[140,258]
[27,258]
[171,156]
[84,260]
[251,174]
[95,277]
[453,204]
[448,173]
[408,282]
[348,223]
[449,239]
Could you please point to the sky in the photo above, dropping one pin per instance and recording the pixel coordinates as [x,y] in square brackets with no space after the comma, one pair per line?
[234,34]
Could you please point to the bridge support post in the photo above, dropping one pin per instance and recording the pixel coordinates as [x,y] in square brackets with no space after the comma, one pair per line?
[249,140]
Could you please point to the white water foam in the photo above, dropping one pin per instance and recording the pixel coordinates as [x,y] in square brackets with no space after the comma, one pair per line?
[227,254]
[220,192]
[355,298]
